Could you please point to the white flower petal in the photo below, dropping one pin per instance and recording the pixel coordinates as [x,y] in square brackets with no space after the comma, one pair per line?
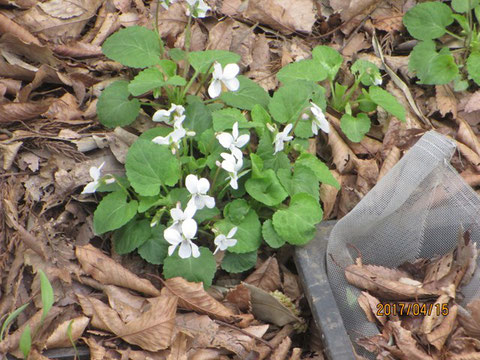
[215,89]
[236,152]
[161,116]
[191,182]
[235,130]
[232,84]
[195,250]
[225,139]
[287,128]
[172,236]
[234,182]
[189,212]
[209,201]
[176,214]
[161,140]
[171,249]
[232,232]
[203,186]
[219,239]
[189,228]
[242,140]
[230,242]
[90,188]
[95,172]
[230,71]
[185,250]
[217,71]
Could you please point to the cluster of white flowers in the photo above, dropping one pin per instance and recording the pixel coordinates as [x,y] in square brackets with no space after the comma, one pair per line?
[96,175]
[174,116]
[226,76]
[196,8]
[232,163]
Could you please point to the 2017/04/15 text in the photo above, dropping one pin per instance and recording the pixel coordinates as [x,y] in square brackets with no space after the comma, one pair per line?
[413,309]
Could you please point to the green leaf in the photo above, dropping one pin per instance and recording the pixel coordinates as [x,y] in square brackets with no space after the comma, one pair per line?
[293,99]
[473,66]
[202,60]
[198,116]
[308,70]
[321,170]
[10,318]
[150,79]
[25,343]
[237,263]
[367,72]
[177,54]
[122,180]
[387,101]
[264,186]
[247,96]
[428,20]
[155,249]
[47,294]
[150,165]
[206,214]
[248,234]
[302,180]
[462,20]
[135,46]
[355,127]
[169,67]
[265,151]
[225,118]
[201,269]
[131,236]
[463,6]
[432,68]
[113,212]
[236,210]
[270,236]
[260,116]
[329,58]
[114,108]
[296,225]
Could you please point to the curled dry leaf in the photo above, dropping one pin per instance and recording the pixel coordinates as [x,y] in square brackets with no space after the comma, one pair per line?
[178,350]
[469,318]
[153,330]
[267,276]
[367,174]
[439,335]
[280,353]
[343,157]
[406,343]
[466,135]
[128,306]
[446,101]
[171,22]
[328,196]
[103,316]
[369,305]
[22,111]
[392,158]
[240,296]
[192,296]
[433,319]
[8,26]
[97,351]
[291,284]
[473,103]
[60,338]
[106,270]
[469,154]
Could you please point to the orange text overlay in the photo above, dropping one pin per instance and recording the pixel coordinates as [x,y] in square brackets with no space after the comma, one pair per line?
[412,309]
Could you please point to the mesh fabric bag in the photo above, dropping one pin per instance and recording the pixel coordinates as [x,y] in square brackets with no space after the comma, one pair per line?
[413,211]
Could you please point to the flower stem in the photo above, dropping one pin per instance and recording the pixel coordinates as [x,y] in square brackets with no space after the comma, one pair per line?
[214,180]
[162,49]
[453,34]
[190,83]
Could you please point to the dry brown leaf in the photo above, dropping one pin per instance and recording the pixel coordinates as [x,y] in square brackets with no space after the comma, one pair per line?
[470,319]
[382,287]
[446,101]
[343,157]
[285,16]
[109,272]
[469,154]
[103,317]
[353,11]
[8,26]
[240,296]
[372,302]
[192,296]
[365,306]
[466,135]
[208,354]
[349,197]
[355,44]
[367,174]
[171,22]
[328,196]
[291,284]
[97,351]
[22,111]
[280,353]
[406,343]
[473,103]
[439,336]
[178,350]
[435,317]
[392,158]
[128,306]
[153,330]
[60,337]
[471,178]
[265,350]
[266,276]
[296,354]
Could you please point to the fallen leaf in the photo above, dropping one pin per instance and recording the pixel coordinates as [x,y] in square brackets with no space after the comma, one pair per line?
[280,353]
[328,196]
[392,158]
[406,343]
[60,337]
[240,296]
[12,112]
[128,306]
[109,272]
[266,276]
[439,336]
[473,103]
[343,157]
[178,350]
[192,296]
[446,101]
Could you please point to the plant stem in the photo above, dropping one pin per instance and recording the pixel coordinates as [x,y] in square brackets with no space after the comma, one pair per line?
[214,180]
[190,83]
[162,49]
[453,34]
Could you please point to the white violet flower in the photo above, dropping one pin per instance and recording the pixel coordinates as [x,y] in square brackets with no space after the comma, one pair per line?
[179,216]
[167,3]
[282,137]
[227,76]
[319,121]
[96,174]
[183,238]
[377,80]
[223,242]
[232,165]
[197,8]
[199,188]
[232,141]
[163,115]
